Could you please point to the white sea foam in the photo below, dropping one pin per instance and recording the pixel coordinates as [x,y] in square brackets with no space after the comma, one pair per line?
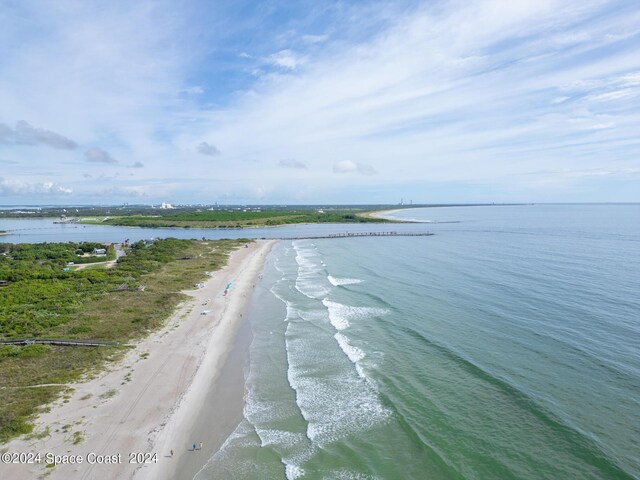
[311,280]
[341,315]
[332,398]
[347,475]
[293,471]
[277,266]
[243,437]
[336,282]
[315,316]
[258,410]
[282,438]
[339,322]
[277,295]
[292,312]
[354,353]
[417,220]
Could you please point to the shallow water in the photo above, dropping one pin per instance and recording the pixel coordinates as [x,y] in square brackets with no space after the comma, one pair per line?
[506,346]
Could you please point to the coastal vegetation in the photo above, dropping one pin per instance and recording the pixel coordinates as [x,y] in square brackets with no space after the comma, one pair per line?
[203,216]
[40,296]
[237,218]
[215,216]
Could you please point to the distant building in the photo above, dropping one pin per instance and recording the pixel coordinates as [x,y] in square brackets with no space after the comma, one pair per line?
[100,252]
[166,205]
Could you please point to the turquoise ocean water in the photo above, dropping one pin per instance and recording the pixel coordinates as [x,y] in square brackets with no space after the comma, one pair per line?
[507,346]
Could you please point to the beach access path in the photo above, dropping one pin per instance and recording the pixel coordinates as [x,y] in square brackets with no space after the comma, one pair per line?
[148,403]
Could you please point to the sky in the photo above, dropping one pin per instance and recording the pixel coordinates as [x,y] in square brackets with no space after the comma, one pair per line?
[294,102]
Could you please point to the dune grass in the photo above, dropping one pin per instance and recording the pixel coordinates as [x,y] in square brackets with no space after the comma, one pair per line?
[102,314]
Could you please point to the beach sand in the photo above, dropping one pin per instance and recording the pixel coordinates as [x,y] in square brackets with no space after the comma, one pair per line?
[182,390]
[380,214]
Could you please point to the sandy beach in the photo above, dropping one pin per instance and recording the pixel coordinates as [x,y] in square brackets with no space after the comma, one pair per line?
[380,214]
[150,404]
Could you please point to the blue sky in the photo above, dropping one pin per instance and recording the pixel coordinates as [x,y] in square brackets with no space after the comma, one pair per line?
[319,102]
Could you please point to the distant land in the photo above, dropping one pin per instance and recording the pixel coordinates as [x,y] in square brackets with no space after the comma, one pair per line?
[212,216]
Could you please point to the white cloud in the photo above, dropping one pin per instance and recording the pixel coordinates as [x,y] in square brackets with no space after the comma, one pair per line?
[457,92]
[13,186]
[630,79]
[98,155]
[466,92]
[292,163]
[25,134]
[207,149]
[313,39]
[348,166]
[615,95]
[195,90]
[567,178]
[123,191]
[286,59]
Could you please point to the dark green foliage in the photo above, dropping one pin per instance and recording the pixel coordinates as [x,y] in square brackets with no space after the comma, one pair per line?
[240,218]
[52,253]
[29,351]
[41,295]
[42,300]
[230,215]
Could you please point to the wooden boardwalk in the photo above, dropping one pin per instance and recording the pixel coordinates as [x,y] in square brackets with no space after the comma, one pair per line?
[58,341]
[360,234]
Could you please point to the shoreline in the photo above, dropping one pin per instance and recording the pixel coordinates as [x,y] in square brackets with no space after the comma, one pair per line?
[254,227]
[379,214]
[189,425]
[154,394]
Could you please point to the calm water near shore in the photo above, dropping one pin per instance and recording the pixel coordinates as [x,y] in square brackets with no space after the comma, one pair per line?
[506,346]
[38,230]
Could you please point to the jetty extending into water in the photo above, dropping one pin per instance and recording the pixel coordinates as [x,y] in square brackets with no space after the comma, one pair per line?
[359,234]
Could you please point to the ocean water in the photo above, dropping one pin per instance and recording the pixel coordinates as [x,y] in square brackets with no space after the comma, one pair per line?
[507,346]
[38,230]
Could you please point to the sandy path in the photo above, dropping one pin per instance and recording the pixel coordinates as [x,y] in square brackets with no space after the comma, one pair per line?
[107,263]
[140,404]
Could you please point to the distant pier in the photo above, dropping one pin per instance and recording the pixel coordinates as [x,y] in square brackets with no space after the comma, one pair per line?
[360,234]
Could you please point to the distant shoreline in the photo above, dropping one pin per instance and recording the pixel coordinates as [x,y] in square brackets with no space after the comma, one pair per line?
[379,213]
[243,227]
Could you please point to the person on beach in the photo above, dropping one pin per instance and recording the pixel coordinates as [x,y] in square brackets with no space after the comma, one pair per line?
[200,445]
[172,453]
[194,447]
